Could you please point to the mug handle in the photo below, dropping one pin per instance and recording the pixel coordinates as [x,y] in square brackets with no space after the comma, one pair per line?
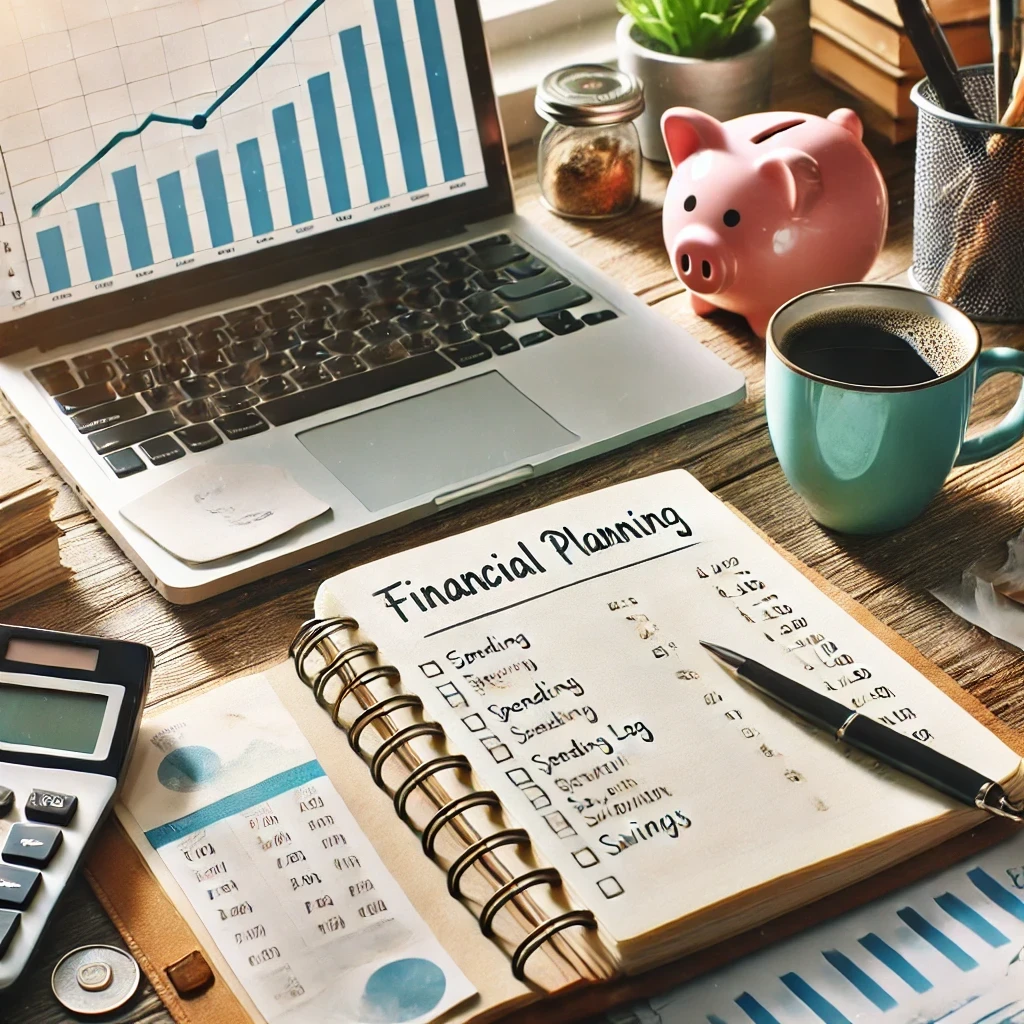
[1010,429]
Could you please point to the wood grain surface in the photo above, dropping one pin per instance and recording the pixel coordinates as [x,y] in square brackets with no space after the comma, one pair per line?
[730,453]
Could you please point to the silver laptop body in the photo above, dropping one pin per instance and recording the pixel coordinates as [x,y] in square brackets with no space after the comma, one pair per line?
[397,349]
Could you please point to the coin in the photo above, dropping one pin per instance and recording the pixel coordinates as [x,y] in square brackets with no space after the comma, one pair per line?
[95,979]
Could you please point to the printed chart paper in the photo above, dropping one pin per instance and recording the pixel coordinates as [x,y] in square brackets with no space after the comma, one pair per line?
[230,795]
[947,950]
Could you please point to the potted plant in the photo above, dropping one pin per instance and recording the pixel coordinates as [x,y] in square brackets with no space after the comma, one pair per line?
[715,55]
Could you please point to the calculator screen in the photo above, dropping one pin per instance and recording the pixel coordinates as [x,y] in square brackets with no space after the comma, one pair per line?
[51,718]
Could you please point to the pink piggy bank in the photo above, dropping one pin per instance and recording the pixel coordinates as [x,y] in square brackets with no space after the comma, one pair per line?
[767,206]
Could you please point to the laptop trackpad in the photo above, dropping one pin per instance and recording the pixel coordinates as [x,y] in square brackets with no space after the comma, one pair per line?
[435,441]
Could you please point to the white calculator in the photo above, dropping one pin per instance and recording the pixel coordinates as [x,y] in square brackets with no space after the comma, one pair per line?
[69,713]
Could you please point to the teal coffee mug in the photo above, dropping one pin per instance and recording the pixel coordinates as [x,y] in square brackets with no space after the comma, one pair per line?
[868,389]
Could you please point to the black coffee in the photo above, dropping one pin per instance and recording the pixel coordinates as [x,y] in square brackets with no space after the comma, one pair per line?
[873,347]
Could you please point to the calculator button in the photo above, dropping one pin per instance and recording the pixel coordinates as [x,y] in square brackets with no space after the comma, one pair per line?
[9,921]
[17,886]
[6,801]
[32,845]
[55,808]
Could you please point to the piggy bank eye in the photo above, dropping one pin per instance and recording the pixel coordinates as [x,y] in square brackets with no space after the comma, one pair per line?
[689,203]
[731,218]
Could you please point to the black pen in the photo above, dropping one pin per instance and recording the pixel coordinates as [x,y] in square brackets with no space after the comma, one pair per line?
[885,744]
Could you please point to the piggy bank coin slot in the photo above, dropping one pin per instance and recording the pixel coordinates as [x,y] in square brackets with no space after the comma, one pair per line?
[776,129]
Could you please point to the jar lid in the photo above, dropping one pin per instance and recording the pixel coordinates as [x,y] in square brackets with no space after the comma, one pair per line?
[589,94]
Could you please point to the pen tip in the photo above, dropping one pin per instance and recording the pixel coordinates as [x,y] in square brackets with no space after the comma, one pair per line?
[724,654]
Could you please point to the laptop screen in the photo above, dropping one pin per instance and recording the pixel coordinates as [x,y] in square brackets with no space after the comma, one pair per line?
[144,139]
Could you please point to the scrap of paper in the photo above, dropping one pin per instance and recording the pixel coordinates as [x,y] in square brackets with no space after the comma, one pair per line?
[213,511]
[230,796]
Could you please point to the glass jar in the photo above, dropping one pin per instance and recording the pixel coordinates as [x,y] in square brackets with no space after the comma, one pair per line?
[588,161]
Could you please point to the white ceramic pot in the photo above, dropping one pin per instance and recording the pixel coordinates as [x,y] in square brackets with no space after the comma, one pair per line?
[724,87]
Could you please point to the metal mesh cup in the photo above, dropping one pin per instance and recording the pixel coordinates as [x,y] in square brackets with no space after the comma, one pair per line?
[969,204]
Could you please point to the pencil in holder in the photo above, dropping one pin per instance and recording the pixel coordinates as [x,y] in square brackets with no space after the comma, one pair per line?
[969,204]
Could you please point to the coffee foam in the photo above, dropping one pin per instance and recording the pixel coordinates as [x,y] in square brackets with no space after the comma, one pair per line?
[938,344]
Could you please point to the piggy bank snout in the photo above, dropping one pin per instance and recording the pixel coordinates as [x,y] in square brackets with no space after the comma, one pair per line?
[702,260]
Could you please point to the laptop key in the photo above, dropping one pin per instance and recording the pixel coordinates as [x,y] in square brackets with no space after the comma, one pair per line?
[487,323]
[210,341]
[529,267]
[309,352]
[482,302]
[208,362]
[281,302]
[161,450]
[284,318]
[166,396]
[108,414]
[125,463]
[211,323]
[546,281]
[273,387]
[500,342]
[199,387]
[199,410]
[423,298]
[97,373]
[85,398]
[453,254]
[314,330]
[199,438]
[422,279]
[453,334]
[456,289]
[169,334]
[344,343]
[281,341]
[599,316]
[100,355]
[322,291]
[450,312]
[310,376]
[419,342]
[344,366]
[495,256]
[535,338]
[491,280]
[235,316]
[389,331]
[241,424]
[355,388]
[233,400]
[562,322]
[469,353]
[486,243]
[384,353]
[58,383]
[279,362]
[549,302]
[239,375]
[417,265]
[454,270]
[319,309]
[352,319]
[416,321]
[131,432]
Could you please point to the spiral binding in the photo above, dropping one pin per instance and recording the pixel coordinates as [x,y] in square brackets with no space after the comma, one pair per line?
[306,640]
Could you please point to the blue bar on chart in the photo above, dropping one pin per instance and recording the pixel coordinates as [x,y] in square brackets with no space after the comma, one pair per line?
[286,127]
[397,69]
[945,945]
[94,239]
[215,198]
[133,217]
[863,982]
[814,1000]
[997,893]
[55,259]
[754,1010]
[172,199]
[440,90]
[365,114]
[325,117]
[254,181]
[970,918]
[896,963]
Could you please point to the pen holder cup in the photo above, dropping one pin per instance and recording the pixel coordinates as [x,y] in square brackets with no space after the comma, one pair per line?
[969,204]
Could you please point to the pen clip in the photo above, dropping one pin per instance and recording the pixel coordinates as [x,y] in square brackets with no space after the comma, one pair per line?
[992,798]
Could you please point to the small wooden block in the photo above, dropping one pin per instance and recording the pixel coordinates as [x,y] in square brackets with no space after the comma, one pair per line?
[191,975]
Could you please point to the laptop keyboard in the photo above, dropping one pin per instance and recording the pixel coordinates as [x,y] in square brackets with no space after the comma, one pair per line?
[194,387]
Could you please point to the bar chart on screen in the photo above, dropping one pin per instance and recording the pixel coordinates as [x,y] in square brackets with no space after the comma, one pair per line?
[140,139]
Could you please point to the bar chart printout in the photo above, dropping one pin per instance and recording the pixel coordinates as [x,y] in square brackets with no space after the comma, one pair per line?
[947,950]
[139,145]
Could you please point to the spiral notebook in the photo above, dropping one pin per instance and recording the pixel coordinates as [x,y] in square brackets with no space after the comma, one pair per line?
[531,701]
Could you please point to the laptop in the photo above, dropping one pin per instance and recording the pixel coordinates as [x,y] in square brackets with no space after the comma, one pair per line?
[280,235]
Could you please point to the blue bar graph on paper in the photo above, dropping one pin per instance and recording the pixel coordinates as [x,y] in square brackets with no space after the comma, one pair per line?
[172,200]
[400,87]
[754,1010]
[970,918]
[365,114]
[713,1018]
[945,945]
[133,217]
[1000,896]
[896,963]
[215,198]
[254,181]
[440,89]
[55,259]
[860,980]
[296,187]
[815,1001]
[94,240]
[325,117]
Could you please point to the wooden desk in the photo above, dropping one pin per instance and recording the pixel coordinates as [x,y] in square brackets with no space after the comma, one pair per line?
[730,453]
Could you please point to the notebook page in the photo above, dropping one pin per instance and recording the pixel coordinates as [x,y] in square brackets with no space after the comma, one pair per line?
[559,649]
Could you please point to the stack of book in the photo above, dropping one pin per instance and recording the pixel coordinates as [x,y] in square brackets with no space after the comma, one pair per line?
[29,539]
[862,48]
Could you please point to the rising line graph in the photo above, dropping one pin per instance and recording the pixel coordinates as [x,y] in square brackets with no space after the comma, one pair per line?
[197,121]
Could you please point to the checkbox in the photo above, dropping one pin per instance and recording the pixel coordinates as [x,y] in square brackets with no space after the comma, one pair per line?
[537,797]
[500,753]
[610,887]
[474,723]
[586,858]
[431,669]
[519,777]
[452,695]
[558,824]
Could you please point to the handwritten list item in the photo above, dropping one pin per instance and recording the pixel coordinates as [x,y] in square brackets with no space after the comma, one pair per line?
[267,854]
[560,651]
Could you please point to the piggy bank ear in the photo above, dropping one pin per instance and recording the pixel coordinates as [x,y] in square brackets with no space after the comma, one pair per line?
[687,130]
[797,174]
